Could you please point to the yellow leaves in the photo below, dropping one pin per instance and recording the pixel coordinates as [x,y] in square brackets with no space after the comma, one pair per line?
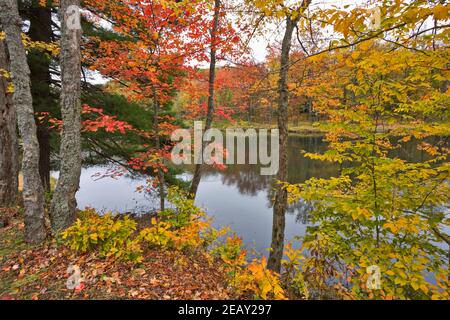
[278,9]
[5,74]
[430,149]
[317,58]
[293,255]
[94,237]
[117,237]
[356,55]
[330,156]
[159,235]
[232,253]
[441,12]
[252,277]
[405,225]
[164,235]
[112,238]
[264,283]
[361,213]
[390,272]
[51,48]
[365,46]
[10,88]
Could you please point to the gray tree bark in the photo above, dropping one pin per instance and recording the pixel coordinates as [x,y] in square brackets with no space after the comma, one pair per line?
[9,162]
[64,204]
[212,81]
[33,195]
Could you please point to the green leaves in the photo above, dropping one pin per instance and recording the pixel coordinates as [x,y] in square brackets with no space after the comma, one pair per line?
[112,237]
[382,210]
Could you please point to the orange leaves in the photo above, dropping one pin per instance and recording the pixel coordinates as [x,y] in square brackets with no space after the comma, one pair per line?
[108,123]
[264,283]
[155,35]
[249,278]
[441,12]
[160,39]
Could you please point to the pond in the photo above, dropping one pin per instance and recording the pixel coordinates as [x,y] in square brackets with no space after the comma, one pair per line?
[238,197]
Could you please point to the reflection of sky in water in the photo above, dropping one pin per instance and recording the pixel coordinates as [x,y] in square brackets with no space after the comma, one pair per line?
[237,197]
[107,194]
[249,216]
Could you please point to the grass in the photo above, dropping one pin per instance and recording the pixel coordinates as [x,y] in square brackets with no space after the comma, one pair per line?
[299,127]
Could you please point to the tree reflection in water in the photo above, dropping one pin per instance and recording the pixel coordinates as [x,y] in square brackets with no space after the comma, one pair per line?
[248,181]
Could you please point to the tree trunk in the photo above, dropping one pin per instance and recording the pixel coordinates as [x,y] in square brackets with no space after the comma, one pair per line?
[9,168]
[33,195]
[161,180]
[41,30]
[64,203]
[212,80]
[280,205]
[43,135]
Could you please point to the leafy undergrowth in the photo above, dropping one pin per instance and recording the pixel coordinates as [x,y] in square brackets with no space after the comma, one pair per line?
[28,272]
[175,255]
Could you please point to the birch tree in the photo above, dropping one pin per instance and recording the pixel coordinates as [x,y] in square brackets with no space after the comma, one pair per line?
[63,205]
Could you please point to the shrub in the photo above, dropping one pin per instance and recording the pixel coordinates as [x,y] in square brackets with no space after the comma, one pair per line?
[159,235]
[111,237]
[181,227]
[292,278]
[231,253]
[262,282]
[165,235]
[184,209]
[253,278]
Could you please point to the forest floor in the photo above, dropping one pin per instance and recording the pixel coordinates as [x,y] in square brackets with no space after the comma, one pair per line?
[40,272]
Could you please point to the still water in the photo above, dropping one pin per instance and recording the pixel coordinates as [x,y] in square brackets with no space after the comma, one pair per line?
[238,197]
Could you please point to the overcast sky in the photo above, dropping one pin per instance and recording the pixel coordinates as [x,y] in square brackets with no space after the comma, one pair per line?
[259,44]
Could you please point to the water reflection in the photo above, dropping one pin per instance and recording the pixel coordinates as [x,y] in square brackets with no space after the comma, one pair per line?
[238,196]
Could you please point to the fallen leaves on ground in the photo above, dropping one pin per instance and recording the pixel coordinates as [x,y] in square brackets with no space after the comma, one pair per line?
[41,273]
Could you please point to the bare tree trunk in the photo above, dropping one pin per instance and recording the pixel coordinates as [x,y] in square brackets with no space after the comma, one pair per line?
[212,80]
[33,195]
[161,180]
[64,203]
[280,205]
[43,135]
[9,162]
[41,30]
